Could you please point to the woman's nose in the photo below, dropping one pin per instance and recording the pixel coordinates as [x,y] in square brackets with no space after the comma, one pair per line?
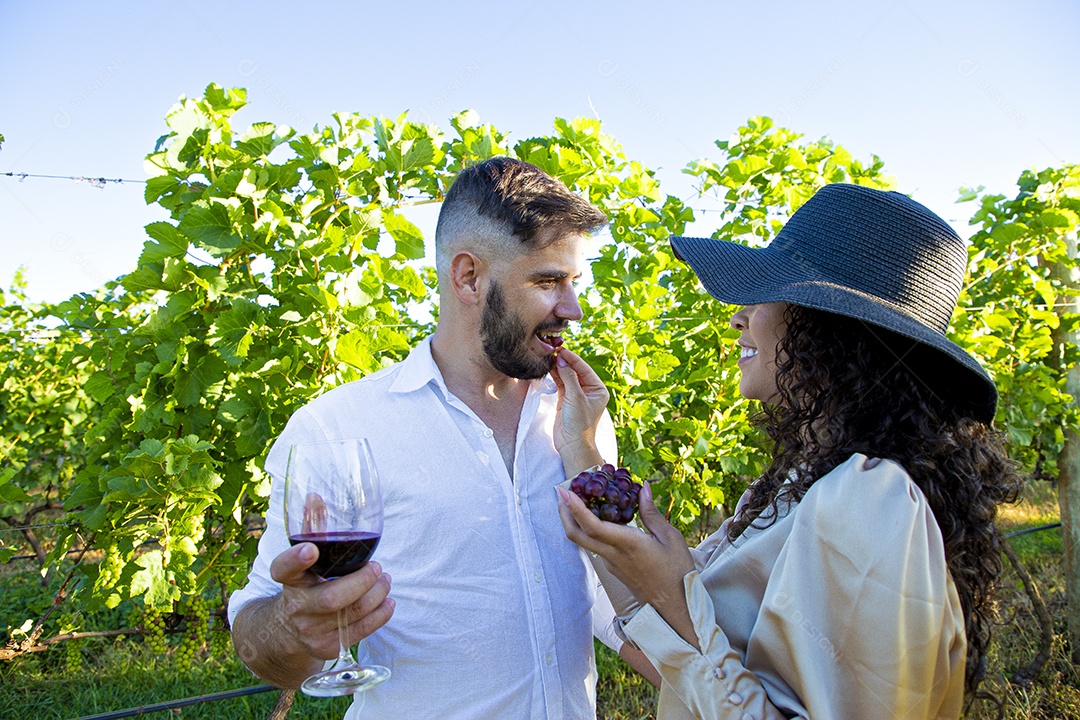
[739,320]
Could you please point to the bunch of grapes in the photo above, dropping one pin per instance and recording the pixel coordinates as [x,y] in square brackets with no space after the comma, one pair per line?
[611,494]
[220,642]
[197,618]
[72,657]
[154,626]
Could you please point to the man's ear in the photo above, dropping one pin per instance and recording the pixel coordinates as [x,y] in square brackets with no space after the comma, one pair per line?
[468,277]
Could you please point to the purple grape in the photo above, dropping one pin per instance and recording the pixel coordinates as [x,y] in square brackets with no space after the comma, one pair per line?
[611,494]
[577,485]
[594,489]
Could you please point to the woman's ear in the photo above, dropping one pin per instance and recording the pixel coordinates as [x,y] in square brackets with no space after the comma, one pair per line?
[468,277]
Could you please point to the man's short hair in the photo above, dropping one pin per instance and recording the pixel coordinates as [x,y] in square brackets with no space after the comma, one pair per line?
[502,206]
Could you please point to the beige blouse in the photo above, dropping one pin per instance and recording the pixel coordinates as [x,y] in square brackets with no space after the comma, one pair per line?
[843,608]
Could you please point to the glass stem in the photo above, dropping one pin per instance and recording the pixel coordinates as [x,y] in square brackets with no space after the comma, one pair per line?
[345,658]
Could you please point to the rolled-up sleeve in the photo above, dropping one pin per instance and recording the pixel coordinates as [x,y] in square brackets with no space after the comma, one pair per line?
[859,617]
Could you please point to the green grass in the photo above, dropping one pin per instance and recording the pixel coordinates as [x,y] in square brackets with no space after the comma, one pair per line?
[622,694]
[122,673]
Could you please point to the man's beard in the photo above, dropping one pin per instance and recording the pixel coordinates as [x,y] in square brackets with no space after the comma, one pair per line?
[505,339]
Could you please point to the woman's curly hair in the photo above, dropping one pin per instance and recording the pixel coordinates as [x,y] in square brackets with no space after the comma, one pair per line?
[848,387]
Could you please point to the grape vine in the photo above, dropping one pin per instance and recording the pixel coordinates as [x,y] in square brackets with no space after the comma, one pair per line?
[134,420]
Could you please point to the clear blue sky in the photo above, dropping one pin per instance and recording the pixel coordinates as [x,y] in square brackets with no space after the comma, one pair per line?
[947,93]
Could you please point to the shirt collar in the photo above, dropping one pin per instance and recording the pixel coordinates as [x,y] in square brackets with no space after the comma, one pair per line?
[419,369]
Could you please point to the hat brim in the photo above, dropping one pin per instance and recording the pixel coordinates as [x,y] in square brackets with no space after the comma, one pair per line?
[742,275]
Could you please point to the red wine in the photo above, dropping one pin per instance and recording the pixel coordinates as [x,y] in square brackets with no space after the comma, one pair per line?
[340,553]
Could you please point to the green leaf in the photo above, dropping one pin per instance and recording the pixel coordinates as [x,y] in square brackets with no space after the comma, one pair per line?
[408,239]
[211,227]
[100,386]
[9,492]
[153,582]
[195,380]
[354,348]
[233,330]
[253,434]
[157,187]
[225,101]
[146,277]
[125,489]
[169,243]
[259,140]
[416,153]
[407,279]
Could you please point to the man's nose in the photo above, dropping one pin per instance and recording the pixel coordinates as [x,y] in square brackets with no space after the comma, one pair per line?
[569,308]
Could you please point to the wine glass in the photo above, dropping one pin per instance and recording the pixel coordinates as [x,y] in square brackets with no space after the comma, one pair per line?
[332,500]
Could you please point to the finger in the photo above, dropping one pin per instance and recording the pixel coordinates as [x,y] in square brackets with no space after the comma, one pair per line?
[575,518]
[587,377]
[370,600]
[372,621]
[569,382]
[556,376]
[593,534]
[343,592]
[650,516]
[290,567]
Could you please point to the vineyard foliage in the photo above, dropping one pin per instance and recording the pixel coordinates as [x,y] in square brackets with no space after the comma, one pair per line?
[134,420]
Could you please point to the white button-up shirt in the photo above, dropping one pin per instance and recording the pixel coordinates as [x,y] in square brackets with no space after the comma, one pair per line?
[495,607]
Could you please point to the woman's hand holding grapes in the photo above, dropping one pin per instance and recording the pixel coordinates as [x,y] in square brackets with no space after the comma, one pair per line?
[651,565]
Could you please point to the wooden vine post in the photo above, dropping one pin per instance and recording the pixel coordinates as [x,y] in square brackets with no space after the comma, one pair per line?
[1068,463]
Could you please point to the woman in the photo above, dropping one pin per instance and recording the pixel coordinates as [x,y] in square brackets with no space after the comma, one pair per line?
[854,579]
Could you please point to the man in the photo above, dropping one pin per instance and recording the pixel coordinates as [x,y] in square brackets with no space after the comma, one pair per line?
[492,608]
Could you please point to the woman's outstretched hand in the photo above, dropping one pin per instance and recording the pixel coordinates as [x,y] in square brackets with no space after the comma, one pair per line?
[651,565]
[582,400]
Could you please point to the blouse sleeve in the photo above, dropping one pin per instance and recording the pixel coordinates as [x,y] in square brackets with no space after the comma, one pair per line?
[859,617]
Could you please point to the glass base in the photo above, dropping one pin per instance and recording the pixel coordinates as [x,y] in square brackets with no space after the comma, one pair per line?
[346,681]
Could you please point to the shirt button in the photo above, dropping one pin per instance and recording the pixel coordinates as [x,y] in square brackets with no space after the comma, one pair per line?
[488,433]
[538,576]
[719,673]
[736,698]
[548,659]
